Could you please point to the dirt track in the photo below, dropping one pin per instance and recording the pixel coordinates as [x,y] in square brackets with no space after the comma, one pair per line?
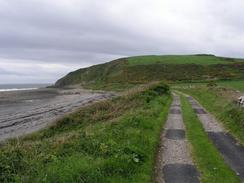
[228,146]
[23,112]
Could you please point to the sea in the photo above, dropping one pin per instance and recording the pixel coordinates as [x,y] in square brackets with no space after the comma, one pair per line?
[16,87]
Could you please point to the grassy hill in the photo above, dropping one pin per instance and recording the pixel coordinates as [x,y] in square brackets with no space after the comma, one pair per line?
[143,69]
[201,59]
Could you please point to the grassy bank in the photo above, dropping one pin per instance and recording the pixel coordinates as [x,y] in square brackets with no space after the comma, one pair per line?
[208,160]
[110,141]
[216,101]
[238,85]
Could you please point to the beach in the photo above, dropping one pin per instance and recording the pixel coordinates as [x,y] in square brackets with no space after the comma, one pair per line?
[26,111]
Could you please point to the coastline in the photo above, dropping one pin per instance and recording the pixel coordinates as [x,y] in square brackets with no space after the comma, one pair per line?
[26,111]
[17,89]
[21,87]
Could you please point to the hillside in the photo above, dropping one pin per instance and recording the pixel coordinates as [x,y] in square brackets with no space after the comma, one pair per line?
[143,69]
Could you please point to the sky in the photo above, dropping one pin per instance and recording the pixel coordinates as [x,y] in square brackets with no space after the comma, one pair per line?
[43,40]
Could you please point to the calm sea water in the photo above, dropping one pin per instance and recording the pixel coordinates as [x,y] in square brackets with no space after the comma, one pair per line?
[15,87]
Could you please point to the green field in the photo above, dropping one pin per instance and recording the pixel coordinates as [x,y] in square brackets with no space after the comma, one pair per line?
[110,141]
[235,84]
[179,59]
[238,85]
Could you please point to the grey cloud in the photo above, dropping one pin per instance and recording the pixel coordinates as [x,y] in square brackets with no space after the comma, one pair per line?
[78,33]
[5,72]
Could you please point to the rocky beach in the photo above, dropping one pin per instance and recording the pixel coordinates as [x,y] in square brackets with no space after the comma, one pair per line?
[23,112]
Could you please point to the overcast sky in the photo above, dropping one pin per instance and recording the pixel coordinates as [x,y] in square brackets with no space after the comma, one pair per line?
[42,40]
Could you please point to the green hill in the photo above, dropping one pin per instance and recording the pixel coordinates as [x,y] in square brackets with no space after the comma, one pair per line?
[201,59]
[143,69]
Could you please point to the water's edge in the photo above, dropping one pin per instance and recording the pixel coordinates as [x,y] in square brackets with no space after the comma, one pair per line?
[21,87]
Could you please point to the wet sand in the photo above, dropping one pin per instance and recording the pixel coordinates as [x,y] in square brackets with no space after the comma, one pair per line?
[23,112]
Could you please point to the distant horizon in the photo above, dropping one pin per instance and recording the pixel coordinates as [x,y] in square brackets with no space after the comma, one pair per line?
[26,83]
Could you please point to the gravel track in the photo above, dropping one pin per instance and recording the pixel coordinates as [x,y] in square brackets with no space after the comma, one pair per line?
[174,163]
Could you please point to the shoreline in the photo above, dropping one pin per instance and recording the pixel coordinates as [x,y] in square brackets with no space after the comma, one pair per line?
[17,89]
[26,111]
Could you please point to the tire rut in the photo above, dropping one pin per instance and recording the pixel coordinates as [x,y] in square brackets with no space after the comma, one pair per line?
[227,145]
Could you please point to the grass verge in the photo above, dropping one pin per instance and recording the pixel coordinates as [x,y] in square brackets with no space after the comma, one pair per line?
[110,141]
[208,160]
